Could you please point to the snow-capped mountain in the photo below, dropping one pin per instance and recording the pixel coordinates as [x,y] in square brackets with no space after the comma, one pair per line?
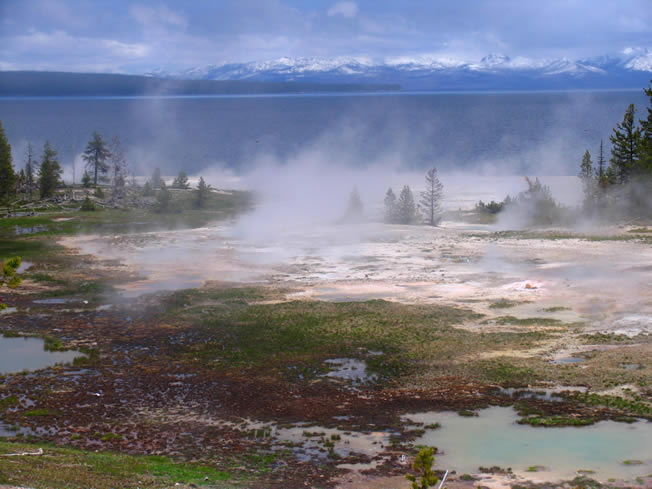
[630,69]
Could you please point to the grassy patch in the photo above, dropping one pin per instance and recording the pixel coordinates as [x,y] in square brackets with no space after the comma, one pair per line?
[38,412]
[635,407]
[556,309]
[505,373]
[561,235]
[8,402]
[514,321]
[292,339]
[72,468]
[549,421]
[504,304]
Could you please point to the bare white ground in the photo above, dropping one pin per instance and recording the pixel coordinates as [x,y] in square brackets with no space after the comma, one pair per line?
[607,283]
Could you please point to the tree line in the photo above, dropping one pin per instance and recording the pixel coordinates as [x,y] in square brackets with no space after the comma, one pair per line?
[404,209]
[104,164]
[624,181]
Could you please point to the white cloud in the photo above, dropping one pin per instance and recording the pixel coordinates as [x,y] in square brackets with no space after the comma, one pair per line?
[161,15]
[345,9]
[118,48]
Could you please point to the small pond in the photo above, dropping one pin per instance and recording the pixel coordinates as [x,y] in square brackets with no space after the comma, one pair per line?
[495,439]
[349,369]
[18,354]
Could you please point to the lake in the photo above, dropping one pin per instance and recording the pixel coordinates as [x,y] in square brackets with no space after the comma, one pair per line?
[538,132]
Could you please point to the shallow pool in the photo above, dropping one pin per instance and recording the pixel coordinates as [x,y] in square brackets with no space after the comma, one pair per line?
[18,354]
[494,438]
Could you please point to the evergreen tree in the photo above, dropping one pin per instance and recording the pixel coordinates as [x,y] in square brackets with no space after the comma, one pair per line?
[95,156]
[390,206]
[406,210]
[588,181]
[422,465]
[164,198]
[7,175]
[201,194]
[156,178]
[625,146]
[86,180]
[355,207]
[181,181]
[49,172]
[431,198]
[29,169]
[601,167]
[645,144]
[119,169]
[148,191]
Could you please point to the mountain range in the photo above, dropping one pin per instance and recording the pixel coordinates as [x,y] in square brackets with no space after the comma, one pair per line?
[630,69]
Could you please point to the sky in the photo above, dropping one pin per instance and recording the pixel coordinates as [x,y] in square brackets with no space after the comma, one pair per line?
[139,36]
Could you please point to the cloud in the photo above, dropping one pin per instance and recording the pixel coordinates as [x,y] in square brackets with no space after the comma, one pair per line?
[160,15]
[141,35]
[345,9]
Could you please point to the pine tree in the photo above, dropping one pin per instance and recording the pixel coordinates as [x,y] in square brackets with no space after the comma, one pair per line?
[29,169]
[645,145]
[181,181]
[119,169]
[601,167]
[390,206]
[156,178]
[49,172]
[7,175]
[625,146]
[355,208]
[588,181]
[95,156]
[148,191]
[86,180]
[431,198]
[201,194]
[422,465]
[163,198]
[406,210]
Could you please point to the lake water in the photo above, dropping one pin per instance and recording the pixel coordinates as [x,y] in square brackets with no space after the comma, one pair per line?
[541,133]
[493,438]
[18,354]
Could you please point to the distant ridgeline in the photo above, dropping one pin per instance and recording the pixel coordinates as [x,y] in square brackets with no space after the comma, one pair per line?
[53,84]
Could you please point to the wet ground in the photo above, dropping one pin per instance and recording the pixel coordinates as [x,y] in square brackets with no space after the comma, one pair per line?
[140,389]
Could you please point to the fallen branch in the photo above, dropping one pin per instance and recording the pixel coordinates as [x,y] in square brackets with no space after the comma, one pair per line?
[39,452]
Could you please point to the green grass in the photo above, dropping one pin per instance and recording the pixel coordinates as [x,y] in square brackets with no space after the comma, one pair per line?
[292,339]
[561,235]
[8,402]
[504,304]
[633,462]
[549,421]
[77,469]
[627,406]
[38,412]
[514,321]
[556,309]
[505,373]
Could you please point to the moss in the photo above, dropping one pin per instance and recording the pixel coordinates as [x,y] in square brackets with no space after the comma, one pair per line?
[467,413]
[8,402]
[38,412]
[503,304]
[514,321]
[111,437]
[555,309]
[635,407]
[548,421]
[73,468]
